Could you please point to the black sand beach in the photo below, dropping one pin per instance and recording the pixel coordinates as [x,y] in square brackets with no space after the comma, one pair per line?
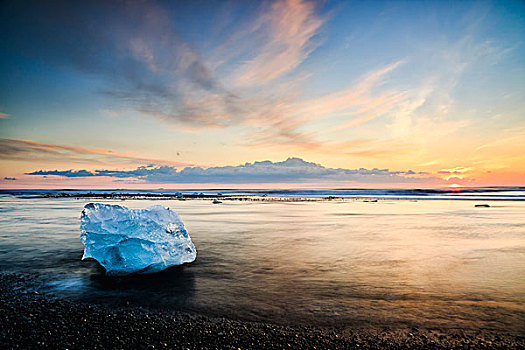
[33,321]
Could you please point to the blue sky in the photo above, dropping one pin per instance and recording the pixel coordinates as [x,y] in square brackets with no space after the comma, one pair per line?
[426,86]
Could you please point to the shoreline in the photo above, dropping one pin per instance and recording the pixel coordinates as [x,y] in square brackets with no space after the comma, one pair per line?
[270,199]
[32,321]
[482,194]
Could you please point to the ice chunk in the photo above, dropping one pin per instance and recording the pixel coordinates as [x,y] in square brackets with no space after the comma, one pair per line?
[128,241]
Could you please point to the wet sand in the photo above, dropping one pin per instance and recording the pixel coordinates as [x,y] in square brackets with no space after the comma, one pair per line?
[33,321]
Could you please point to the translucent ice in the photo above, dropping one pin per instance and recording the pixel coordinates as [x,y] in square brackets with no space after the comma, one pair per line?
[128,241]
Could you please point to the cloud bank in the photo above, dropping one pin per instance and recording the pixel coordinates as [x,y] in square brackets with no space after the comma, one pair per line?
[292,170]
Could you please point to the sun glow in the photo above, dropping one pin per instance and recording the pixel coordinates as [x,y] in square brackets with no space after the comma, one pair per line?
[456,188]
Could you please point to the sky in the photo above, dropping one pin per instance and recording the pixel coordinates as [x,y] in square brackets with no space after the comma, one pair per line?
[246,94]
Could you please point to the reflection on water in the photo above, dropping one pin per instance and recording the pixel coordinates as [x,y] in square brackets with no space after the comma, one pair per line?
[431,263]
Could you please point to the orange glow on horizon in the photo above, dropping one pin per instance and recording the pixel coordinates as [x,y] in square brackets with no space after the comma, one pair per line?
[455,186]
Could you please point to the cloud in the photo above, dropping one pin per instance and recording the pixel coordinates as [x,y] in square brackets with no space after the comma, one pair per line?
[37,151]
[64,173]
[249,79]
[4,115]
[10,178]
[292,170]
[145,64]
[345,109]
[288,29]
[456,170]
[252,77]
[268,46]
[148,66]
[456,173]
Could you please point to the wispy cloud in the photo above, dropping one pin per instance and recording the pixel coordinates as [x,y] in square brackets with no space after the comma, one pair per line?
[287,29]
[252,78]
[4,115]
[281,125]
[505,138]
[33,150]
[155,71]
[292,170]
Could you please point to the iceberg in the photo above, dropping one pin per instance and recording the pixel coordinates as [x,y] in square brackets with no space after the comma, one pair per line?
[126,241]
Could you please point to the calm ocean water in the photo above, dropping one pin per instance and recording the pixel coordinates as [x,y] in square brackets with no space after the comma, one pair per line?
[437,263]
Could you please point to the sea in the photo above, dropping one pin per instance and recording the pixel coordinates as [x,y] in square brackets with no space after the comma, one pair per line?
[348,258]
